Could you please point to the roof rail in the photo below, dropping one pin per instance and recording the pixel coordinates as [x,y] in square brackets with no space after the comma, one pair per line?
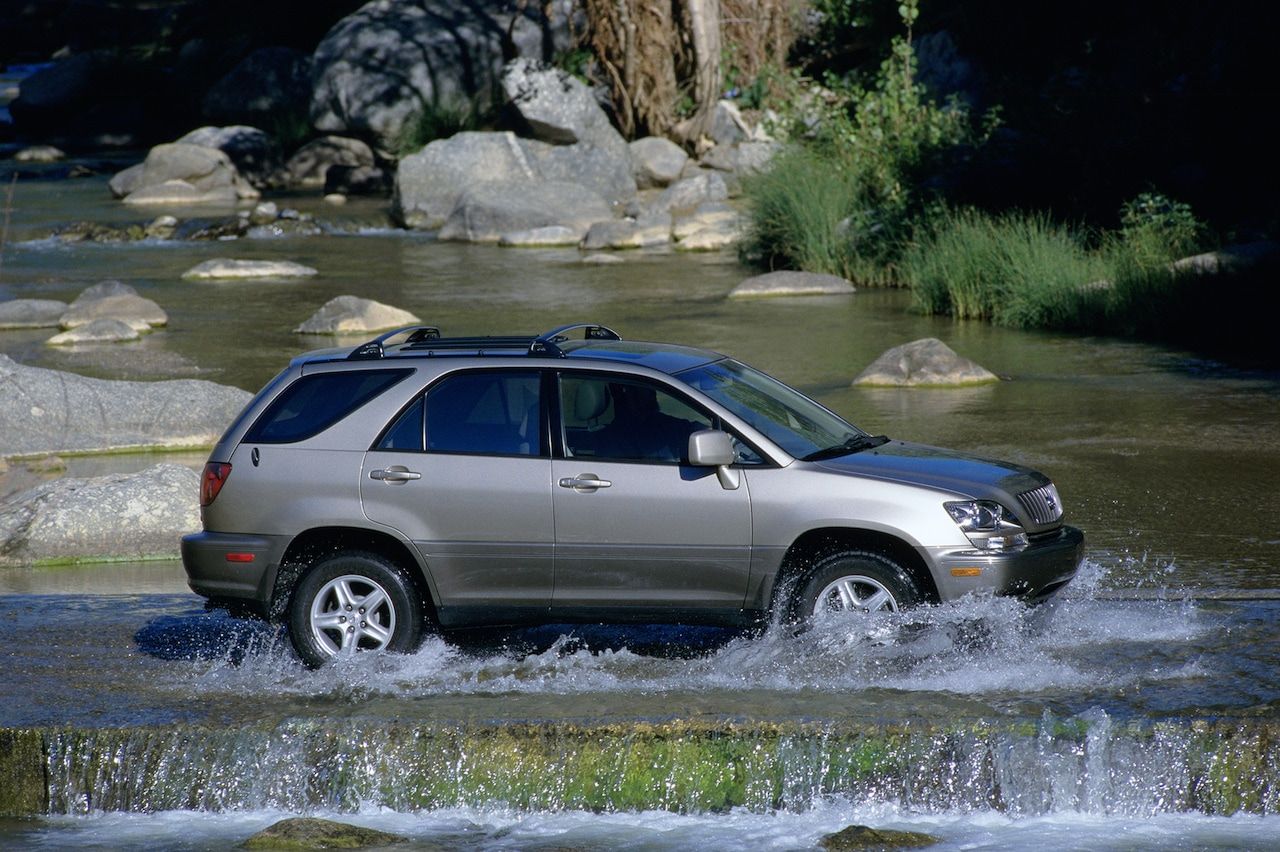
[428,337]
[375,348]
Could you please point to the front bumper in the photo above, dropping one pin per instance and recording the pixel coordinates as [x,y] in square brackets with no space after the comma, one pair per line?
[1032,573]
[225,565]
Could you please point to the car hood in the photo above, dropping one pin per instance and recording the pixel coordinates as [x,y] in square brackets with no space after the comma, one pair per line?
[946,470]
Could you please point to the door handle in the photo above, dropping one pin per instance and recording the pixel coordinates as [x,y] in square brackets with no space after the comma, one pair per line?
[394,474]
[585,482]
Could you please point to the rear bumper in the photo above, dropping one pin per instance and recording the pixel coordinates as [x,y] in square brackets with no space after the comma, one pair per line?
[1033,573]
[225,565]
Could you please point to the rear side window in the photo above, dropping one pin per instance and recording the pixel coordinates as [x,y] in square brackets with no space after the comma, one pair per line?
[314,403]
[492,412]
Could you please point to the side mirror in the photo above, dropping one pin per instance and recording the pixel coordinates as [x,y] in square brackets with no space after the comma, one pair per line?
[713,448]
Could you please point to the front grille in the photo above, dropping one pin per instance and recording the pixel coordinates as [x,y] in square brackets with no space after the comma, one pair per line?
[1042,504]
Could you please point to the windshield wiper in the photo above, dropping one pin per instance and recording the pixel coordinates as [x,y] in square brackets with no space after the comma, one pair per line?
[852,444]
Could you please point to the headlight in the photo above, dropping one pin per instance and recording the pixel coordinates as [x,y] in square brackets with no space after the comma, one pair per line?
[987,525]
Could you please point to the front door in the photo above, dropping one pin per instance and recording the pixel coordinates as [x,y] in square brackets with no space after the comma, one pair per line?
[637,528]
[464,474]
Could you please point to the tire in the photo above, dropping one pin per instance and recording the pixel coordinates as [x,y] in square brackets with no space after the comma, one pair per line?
[854,582]
[351,603]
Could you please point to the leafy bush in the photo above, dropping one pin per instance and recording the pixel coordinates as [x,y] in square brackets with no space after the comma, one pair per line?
[1157,229]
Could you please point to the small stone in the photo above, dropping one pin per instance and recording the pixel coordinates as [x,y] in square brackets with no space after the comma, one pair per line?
[600,259]
[336,198]
[313,833]
[648,231]
[786,282]
[862,838]
[923,363]
[264,213]
[162,227]
[228,268]
[352,315]
[97,331]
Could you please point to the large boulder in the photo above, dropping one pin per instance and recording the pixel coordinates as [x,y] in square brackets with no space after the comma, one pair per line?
[255,153]
[558,107]
[352,315]
[429,183]
[183,173]
[926,362]
[118,516]
[487,212]
[599,169]
[47,411]
[378,68]
[267,88]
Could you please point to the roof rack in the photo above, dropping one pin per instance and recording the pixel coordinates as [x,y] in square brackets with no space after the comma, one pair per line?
[427,337]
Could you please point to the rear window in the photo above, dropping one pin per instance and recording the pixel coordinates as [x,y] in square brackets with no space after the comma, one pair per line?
[314,403]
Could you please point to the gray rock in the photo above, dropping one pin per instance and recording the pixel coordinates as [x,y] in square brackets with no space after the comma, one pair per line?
[648,231]
[598,169]
[309,165]
[97,331]
[377,68]
[255,154]
[1234,258]
[559,108]
[692,191]
[230,268]
[313,833]
[551,235]
[120,516]
[429,183]
[31,313]
[268,85]
[600,259]
[127,180]
[351,315]
[925,362]
[742,157]
[790,283]
[139,313]
[705,215]
[208,172]
[727,124]
[40,154]
[710,237]
[656,162]
[486,212]
[102,290]
[47,411]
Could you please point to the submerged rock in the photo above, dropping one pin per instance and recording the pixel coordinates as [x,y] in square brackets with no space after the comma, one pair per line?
[350,315]
[97,331]
[925,362]
[49,411]
[650,230]
[862,838]
[31,313]
[786,282]
[313,833]
[230,268]
[119,516]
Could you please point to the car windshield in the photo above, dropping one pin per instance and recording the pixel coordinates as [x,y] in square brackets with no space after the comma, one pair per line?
[790,419]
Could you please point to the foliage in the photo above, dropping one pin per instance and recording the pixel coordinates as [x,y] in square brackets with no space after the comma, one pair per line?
[1158,229]
[438,121]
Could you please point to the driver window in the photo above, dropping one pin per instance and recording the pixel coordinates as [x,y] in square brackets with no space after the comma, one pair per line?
[607,417]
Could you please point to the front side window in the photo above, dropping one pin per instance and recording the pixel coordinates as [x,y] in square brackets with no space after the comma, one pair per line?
[481,413]
[607,417]
[314,403]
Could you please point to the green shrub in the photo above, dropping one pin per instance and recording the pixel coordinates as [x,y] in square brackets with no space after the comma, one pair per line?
[1156,229]
[438,121]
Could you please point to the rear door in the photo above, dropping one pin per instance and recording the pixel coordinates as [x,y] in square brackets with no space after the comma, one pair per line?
[637,528]
[464,472]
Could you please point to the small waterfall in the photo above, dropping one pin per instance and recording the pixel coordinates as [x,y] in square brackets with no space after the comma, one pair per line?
[1088,764]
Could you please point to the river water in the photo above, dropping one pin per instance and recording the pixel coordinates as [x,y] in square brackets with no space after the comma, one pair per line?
[1168,461]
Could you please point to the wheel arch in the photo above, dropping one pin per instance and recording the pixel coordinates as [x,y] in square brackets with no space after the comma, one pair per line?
[816,544]
[314,544]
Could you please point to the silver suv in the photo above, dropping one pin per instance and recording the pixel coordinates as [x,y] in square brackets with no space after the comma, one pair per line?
[421,481]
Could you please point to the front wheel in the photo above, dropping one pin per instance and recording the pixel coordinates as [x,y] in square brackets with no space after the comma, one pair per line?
[853,583]
[354,602]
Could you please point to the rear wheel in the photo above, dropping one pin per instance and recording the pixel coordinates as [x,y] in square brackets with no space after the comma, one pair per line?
[854,583]
[354,602]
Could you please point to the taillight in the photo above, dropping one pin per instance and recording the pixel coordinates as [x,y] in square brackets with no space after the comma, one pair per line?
[215,474]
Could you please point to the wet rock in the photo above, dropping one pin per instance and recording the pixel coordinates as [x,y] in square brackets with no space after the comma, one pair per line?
[600,259]
[551,235]
[119,516]
[429,183]
[115,301]
[790,283]
[49,411]
[31,313]
[377,68]
[862,838]
[309,166]
[267,85]
[161,227]
[656,162]
[95,232]
[691,191]
[230,268]
[264,213]
[711,237]
[22,790]
[283,227]
[97,331]
[312,833]
[486,212]
[176,173]
[255,154]
[653,229]
[350,314]
[925,362]
[40,154]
